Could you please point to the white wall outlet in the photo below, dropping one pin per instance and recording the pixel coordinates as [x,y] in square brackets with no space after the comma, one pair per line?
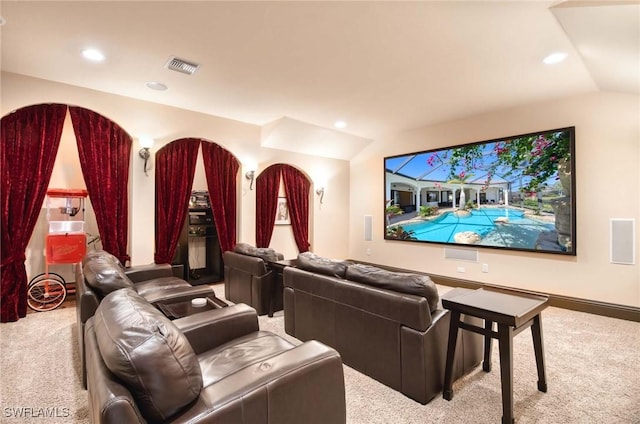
[368,252]
[461,269]
[485,267]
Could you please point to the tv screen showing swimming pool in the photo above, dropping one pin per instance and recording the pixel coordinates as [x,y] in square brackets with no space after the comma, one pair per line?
[516,192]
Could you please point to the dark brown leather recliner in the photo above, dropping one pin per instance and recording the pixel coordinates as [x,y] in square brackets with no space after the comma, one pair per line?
[387,325]
[210,367]
[248,278]
[101,273]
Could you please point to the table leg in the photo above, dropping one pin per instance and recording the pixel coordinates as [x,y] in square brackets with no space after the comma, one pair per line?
[272,296]
[447,391]
[505,339]
[488,342]
[272,293]
[536,332]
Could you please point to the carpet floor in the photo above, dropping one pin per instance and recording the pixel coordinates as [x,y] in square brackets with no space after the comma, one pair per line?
[593,376]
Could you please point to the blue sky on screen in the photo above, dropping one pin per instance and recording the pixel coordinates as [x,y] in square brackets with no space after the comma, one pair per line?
[435,166]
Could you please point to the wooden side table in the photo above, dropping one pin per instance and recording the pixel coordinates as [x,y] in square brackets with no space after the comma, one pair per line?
[512,312]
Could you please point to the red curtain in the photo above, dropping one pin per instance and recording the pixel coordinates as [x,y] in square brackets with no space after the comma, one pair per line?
[29,139]
[267,185]
[296,187]
[175,169]
[105,150]
[221,169]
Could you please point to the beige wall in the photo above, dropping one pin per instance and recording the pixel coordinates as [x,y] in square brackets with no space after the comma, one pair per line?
[608,186]
[329,222]
[607,168]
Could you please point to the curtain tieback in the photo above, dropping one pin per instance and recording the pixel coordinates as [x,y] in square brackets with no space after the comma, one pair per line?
[16,257]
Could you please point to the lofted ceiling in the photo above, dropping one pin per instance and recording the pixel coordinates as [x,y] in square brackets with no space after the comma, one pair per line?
[382,67]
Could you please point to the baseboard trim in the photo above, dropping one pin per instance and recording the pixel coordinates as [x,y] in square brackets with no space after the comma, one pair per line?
[612,310]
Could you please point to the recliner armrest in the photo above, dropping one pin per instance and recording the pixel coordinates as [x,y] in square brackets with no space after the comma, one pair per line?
[259,279]
[209,329]
[86,305]
[147,272]
[178,294]
[87,300]
[304,384]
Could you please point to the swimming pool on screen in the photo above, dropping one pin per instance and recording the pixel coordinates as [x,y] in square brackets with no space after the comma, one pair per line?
[519,231]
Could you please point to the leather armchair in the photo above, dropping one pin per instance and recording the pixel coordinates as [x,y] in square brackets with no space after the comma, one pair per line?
[248,278]
[100,273]
[211,367]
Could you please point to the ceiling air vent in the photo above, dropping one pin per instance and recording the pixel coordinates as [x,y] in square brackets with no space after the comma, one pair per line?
[180,65]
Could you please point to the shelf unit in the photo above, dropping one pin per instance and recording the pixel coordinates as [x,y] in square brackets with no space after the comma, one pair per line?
[199,248]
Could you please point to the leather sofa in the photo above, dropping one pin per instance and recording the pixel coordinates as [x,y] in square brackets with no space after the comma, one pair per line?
[100,273]
[211,367]
[388,325]
[248,278]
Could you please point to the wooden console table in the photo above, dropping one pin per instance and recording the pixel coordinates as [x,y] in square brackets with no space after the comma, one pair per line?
[512,312]
[278,268]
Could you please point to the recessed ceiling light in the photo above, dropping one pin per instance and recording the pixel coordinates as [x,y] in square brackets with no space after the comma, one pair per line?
[340,124]
[155,85]
[93,55]
[554,58]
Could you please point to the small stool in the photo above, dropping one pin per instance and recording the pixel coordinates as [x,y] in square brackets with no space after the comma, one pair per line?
[512,312]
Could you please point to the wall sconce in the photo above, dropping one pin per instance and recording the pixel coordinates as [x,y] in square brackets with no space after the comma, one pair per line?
[320,192]
[250,176]
[146,143]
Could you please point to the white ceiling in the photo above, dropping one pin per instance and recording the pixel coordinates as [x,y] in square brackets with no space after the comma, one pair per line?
[383,67]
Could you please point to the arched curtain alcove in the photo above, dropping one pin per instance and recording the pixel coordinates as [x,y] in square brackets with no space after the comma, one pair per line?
[30,137]
[175,170]
[30,141]
[296,186]
[105,149]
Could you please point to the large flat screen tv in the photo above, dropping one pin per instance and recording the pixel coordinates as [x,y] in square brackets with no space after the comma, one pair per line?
[515,193]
